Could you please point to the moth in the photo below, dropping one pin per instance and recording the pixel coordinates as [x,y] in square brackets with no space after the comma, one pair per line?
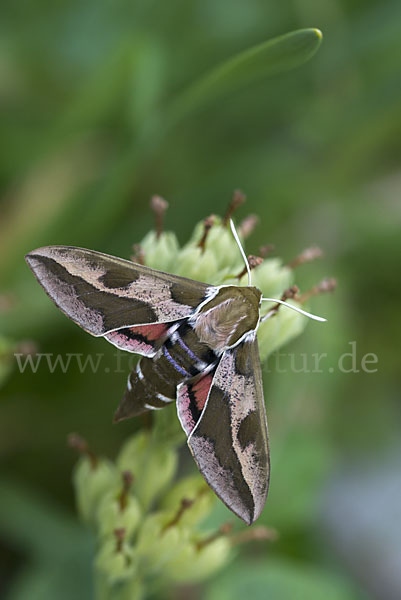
[198,347]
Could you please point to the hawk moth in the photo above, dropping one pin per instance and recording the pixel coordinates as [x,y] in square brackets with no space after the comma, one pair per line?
[198,347]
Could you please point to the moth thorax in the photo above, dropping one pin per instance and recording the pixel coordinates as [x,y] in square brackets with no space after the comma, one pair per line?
[232,313]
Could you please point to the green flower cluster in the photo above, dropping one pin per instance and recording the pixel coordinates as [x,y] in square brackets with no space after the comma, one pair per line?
[146,527]
[219,262]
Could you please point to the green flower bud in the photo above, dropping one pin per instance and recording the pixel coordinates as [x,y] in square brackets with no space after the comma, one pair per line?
[92,482]
[133,453]
[116,560]
[220,242]
[272,278]
[112,515]
[160,252]
[159,539]
[194,563]
[279,329]
[201,498]
[153,465]
[196,264]
[198,233]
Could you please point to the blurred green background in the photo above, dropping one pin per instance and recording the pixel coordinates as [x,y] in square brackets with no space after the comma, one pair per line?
[90,129]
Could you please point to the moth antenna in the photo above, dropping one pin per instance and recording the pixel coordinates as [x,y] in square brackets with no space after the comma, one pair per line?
[302,312]
[290,293]
[235,234]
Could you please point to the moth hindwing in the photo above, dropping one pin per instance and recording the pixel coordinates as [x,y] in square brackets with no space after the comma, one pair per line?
[198,346]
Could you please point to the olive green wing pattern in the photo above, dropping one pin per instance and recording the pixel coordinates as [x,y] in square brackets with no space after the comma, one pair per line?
[102,293]
[230,440]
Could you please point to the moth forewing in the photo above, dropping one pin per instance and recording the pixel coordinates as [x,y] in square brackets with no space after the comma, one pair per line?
[229,442]
[102,293]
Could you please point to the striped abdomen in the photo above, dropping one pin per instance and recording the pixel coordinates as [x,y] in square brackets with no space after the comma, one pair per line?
[154,382]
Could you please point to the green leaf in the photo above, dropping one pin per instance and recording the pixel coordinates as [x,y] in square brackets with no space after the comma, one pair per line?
[249,67]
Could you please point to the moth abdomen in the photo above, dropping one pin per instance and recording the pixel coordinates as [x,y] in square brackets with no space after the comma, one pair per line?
[142,395]
[184,344]
[182,357]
